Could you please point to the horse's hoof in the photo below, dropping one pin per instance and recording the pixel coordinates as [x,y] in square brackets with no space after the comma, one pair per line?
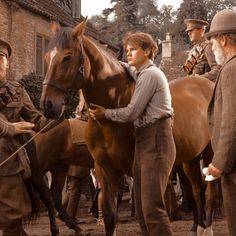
[208,231]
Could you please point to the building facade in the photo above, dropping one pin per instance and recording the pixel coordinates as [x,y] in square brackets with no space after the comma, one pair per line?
[26,25]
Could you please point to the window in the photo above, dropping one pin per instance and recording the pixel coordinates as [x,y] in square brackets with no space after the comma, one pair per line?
[41,46]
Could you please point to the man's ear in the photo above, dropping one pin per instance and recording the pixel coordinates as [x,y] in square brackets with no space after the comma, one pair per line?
[224,40]
[147,52]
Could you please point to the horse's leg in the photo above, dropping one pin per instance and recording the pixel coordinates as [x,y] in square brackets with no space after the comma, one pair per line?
[171,202]
[130,183]
[59,173]
[110,190]
[193,172]
[186,189]
[41,187]
[45,196]
[210,194]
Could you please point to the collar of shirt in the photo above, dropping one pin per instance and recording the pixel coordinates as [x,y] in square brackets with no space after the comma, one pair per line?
[143,67]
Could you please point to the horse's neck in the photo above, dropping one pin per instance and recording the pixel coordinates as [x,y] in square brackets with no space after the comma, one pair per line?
[108,83]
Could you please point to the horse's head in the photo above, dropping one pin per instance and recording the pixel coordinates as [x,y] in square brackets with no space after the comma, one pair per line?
[65,65]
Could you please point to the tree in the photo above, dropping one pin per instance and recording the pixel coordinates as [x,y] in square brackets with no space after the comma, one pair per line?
[201,9]
[133,15]
[213,6]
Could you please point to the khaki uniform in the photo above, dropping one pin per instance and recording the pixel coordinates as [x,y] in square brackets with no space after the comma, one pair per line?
[201,61]
[15,105]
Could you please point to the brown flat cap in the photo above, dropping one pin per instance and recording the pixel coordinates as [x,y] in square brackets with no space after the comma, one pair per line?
[195,24]
[5,48]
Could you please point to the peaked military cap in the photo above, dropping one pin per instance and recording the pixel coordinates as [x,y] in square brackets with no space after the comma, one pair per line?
[195,24]
[5,48]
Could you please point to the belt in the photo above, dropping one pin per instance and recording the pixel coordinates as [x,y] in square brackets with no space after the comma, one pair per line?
[154,121]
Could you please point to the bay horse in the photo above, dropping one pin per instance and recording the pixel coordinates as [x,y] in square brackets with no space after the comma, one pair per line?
[55,151]
[76,62]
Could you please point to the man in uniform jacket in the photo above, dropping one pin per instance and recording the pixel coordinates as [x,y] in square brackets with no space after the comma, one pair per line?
[201,60]
[17,116]
[222,111]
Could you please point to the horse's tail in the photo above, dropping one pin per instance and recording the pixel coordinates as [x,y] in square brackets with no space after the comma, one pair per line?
[29,183]
[34,199]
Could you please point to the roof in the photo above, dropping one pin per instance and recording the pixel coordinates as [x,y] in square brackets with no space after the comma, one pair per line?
[52,11]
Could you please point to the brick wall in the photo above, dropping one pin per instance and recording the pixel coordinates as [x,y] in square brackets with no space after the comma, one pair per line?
[20,27]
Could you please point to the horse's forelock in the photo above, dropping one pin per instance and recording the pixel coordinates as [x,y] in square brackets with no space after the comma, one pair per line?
[62,40]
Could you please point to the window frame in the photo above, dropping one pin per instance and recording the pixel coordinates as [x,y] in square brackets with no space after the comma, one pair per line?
[45,40]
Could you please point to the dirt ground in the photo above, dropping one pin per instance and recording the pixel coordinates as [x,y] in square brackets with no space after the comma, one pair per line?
[126,226]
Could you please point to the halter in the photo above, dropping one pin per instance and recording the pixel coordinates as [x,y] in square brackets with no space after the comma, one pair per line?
[56,86]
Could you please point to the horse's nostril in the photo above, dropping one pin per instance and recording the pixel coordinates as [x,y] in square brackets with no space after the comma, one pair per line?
[48,105]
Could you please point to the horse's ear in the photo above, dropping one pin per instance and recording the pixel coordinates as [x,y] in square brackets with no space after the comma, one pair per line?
[55,26]
[79,29]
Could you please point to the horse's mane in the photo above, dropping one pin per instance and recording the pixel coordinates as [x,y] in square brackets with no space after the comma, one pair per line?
[62,39]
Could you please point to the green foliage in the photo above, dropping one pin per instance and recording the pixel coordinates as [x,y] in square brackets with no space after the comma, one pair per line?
[33,85]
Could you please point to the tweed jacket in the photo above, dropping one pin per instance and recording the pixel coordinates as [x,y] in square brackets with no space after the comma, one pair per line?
[222,119]
[18,108]
[202,61]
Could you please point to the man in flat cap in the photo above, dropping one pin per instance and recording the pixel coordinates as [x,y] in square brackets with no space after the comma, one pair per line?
[201,60]
[222,111]
[18,117]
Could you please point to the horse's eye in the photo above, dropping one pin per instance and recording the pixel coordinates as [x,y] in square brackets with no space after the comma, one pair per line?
[67,58]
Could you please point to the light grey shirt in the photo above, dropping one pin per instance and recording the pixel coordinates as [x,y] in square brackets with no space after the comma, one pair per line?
[151,99]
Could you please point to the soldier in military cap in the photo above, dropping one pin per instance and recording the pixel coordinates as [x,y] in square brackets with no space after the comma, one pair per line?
[18,116]
[222,111]
[201,60]
[5,49]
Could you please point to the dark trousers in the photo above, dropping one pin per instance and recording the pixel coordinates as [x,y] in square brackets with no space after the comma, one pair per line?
[154,159]
[229,197]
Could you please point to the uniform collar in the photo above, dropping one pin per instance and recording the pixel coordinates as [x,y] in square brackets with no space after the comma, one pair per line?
[202,39]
